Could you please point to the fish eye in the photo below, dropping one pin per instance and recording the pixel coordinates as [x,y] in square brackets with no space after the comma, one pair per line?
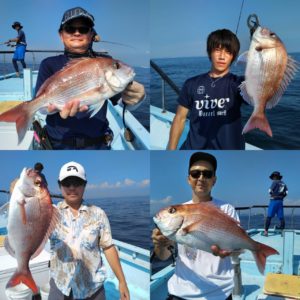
[272,34]
[172,210]
[116,65]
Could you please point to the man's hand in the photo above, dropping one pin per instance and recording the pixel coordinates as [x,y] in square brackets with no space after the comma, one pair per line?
[219,252]
[133,93]
[124,292]
[159,239]
[70,109]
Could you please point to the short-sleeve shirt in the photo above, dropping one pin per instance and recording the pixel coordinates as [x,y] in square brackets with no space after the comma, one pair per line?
[21,38]
[76,262]
[278,190]
[200,275]
[79,126]
[215,116]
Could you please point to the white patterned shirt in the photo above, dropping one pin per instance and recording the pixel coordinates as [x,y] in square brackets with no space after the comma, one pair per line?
[76,262]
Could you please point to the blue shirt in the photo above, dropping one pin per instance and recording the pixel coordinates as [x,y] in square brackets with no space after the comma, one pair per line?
[21,38]
[81,125]
[278,190]
[215,115]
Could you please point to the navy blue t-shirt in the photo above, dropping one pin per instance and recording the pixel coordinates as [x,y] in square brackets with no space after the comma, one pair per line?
[81,125]
[21,38]
[214,112]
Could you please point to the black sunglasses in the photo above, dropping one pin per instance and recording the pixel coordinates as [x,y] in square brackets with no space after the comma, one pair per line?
[206,173]
[76,182]
[72,29]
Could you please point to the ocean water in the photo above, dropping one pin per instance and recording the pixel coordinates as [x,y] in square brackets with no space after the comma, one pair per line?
[128,217]
[284,118]
[142,76]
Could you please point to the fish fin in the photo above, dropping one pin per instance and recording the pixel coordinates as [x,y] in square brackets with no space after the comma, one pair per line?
[190,228]
[23,211]
[24,277]
[54,220]
[291,68]
[245,94]
[22,114]
[95,108]
[8,247]
[243,58]
[258,121]
[261,254]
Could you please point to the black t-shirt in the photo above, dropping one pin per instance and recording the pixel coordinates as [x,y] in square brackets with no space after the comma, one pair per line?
[214,112]
[81,125]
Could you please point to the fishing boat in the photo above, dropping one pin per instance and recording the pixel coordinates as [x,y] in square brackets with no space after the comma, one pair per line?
[282,273]
[14,90]
[161,119]
[134,261]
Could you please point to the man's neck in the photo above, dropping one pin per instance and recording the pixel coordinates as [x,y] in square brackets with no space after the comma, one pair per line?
[198,199]
[216,73]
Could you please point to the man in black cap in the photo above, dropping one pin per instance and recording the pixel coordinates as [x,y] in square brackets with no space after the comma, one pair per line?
[38,167]
[199,274]
[72,127]
[20,41]
[277,191]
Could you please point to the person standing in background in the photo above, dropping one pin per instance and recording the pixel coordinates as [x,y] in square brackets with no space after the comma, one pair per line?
[21,44]
[277,191]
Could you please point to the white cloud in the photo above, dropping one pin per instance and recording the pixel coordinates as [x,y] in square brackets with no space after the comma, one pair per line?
[165,200]
[145,182]
[127,182]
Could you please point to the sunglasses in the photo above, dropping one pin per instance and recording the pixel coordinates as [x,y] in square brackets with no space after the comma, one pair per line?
[206,173]
[81,29]
[72,181]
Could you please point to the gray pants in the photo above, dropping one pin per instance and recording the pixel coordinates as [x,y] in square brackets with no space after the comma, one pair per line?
[56,294]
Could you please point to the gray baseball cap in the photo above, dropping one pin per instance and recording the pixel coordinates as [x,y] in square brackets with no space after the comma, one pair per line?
[74,13]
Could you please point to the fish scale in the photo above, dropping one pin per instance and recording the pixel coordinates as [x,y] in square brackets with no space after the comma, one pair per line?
[88,80]
[204,225]
[269,70]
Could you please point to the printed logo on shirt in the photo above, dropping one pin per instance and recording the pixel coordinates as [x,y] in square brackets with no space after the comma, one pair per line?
[200,90]
[211,107]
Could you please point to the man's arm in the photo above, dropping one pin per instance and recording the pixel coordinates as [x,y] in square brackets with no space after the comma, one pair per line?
[177,127]
[112,257]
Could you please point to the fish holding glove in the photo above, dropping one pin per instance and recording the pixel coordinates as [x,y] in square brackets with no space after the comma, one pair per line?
[204,225]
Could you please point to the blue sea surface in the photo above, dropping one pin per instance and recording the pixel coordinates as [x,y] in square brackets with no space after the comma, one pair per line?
[284,118]
[128,216]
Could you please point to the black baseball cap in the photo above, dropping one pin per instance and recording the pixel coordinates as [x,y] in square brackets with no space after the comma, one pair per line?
[75,13]
[205,157]
[275,174]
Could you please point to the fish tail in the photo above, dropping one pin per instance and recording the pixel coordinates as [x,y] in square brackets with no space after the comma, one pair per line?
[21,114]
[258,121]
[24,277]
[261,254]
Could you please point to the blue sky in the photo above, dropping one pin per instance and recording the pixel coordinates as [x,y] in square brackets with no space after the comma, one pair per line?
[109,173]
[179,28]
[119,21]
[242,176]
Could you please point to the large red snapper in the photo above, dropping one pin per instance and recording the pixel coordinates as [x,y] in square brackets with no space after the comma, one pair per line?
[90,80]
[269,70]
[31,219]
[202,225]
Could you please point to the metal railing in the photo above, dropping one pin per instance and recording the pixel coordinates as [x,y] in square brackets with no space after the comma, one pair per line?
[265,207]
[164,79]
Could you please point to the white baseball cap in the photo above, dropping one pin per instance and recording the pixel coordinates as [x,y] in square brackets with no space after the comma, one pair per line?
[72,168]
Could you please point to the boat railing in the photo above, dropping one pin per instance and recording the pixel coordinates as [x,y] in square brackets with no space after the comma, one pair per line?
[165,79]
[265,207]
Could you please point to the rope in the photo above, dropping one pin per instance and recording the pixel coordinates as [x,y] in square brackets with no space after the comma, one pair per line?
[238,24]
